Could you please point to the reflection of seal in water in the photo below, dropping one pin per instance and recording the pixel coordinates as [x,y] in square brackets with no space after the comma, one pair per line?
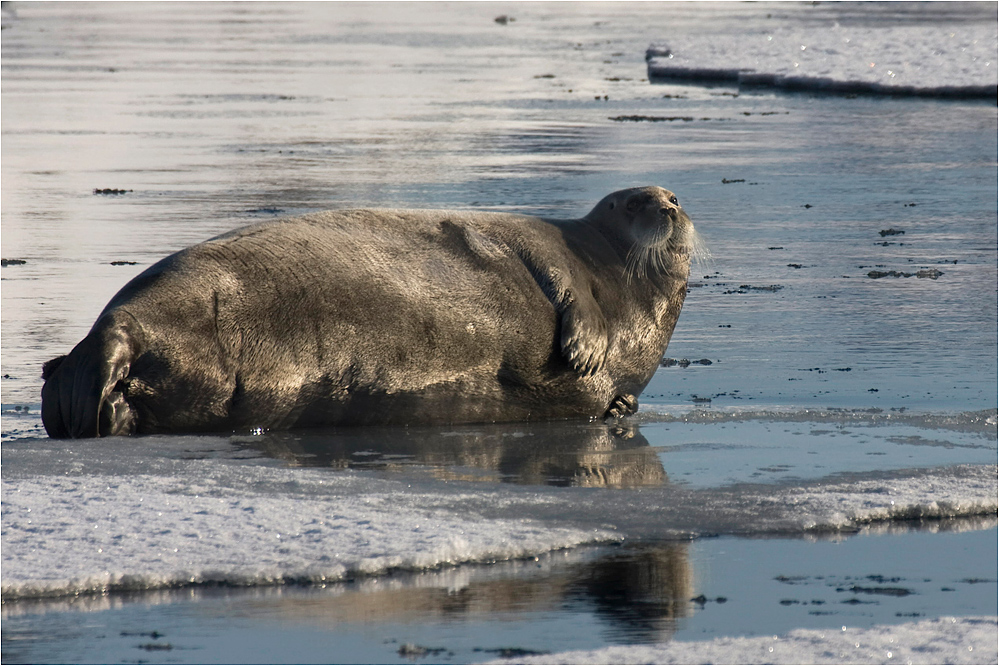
[385,316]
[558,453]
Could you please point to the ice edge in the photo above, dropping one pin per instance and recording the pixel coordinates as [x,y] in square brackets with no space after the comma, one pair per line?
[747,78]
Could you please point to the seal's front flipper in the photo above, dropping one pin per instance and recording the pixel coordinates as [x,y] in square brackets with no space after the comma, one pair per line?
[584,337]
[584,329]
[622,405]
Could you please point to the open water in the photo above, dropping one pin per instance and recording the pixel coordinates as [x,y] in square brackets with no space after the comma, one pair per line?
[834,464]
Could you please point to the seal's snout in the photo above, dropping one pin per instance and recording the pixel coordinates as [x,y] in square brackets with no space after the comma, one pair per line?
[661,233]
[650,220]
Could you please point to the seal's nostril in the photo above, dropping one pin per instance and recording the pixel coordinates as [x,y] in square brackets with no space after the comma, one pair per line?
[664,211]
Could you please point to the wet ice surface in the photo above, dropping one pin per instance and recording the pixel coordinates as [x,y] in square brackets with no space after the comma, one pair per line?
[343,523]
[852,365]
[96,516]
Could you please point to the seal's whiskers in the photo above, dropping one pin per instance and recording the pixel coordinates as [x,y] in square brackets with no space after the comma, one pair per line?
[660,253]
[699,252]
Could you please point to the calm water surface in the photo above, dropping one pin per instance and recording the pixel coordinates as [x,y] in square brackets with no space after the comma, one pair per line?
[214,116]
[211,116]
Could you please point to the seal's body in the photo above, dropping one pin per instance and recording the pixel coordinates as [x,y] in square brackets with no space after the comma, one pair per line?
[385,316]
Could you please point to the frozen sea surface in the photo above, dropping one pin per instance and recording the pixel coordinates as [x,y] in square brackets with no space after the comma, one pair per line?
[843,435]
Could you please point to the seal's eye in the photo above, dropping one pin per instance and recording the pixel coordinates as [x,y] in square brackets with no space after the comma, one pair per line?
[673,200]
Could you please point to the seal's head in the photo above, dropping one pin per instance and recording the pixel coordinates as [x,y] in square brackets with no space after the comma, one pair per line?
[651,224]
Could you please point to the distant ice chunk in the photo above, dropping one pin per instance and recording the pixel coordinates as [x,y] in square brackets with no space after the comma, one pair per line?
[925,59]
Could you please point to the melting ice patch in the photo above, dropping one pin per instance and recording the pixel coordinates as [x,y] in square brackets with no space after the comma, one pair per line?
[939,59]
[228,521]
[939,641]
[965,490]
[836,504]
[67,535]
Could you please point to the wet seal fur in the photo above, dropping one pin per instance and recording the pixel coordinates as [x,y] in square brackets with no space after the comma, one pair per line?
[385,316]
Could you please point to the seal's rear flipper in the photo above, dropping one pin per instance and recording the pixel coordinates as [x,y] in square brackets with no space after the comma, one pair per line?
[117,416]
[80,397]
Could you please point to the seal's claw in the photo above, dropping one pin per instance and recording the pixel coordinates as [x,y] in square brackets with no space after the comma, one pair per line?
[586,356]
[622,405]
[584,340]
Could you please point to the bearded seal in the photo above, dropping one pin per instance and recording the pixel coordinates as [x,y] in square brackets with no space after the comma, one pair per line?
[385,316]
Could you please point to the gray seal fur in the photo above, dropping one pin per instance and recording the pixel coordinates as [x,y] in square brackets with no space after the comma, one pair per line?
[384,316]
